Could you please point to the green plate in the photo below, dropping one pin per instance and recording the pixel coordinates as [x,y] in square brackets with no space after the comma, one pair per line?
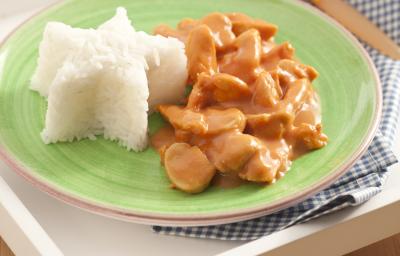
[104,178]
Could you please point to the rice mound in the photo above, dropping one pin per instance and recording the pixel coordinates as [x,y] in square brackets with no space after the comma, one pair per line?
[103,81]
[167,74]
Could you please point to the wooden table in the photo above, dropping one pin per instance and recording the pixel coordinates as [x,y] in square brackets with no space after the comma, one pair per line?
[4,249]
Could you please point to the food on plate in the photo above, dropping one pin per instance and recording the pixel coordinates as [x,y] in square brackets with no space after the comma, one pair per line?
[188,167]
[252,108]
[105,80]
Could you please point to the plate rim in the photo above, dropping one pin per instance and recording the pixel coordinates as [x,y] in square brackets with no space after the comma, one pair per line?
[203,219]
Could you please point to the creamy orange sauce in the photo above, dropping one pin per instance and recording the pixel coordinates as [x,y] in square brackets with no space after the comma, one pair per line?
[227,181]
[164,137]
[252,109]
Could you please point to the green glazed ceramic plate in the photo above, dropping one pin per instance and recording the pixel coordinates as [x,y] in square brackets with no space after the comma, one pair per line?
[104,178]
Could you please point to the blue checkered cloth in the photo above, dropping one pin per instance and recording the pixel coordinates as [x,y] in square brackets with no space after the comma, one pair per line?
[364,180]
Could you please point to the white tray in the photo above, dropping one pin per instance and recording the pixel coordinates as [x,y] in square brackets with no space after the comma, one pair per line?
[77,232]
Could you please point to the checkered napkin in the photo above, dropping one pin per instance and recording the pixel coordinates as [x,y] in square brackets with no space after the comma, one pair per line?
[364,180]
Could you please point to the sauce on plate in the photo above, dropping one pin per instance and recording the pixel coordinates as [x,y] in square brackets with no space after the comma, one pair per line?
[252,109]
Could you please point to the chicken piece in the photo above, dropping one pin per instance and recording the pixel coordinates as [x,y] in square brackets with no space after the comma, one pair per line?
[229,88]
[267,46]
[261,167]
[224,120]
[271,59]
[167,31]
[184,119]
[245,61]
[208,122]
[267,91]
[269,126]
[200,96]
[221,28]
[241,23]
[310,112]
[237,17]
[267,30]
[188,168]
[219,87]
[201,52]
[230,151]
[297,94]
[309,136]
[182,32]
[281,150]
[290,71]
[187,24]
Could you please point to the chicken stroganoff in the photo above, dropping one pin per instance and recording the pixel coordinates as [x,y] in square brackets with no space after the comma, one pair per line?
[252,109]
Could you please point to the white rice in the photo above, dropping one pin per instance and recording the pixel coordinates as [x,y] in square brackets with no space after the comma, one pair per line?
[96,80]
[59,40]
[167,72]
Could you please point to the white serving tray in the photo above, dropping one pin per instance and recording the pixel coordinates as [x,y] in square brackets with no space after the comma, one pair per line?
[46,226]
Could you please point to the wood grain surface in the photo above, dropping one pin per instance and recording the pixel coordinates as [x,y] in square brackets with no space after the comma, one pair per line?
[387,247]
[4,250]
